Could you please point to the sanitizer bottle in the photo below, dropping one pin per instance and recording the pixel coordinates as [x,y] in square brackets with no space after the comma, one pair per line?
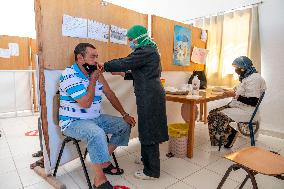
[195,85]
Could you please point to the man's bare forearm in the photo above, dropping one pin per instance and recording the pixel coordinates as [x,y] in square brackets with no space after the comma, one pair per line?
[115,102]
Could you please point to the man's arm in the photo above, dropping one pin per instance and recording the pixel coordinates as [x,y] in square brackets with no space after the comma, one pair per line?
[115,102]
[86,100]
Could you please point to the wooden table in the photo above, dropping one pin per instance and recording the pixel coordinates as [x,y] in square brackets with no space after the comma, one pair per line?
[207,96]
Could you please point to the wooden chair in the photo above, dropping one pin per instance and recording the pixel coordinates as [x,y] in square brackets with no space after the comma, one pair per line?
[255,160]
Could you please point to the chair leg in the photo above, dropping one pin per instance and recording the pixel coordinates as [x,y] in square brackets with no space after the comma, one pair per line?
[83,163]
[85,154]
[226,176]
[244,182]
[66,140]
[113,156]
[220,143]
[251,176]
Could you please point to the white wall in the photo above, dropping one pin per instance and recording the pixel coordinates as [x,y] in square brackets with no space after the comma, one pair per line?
[15,92]
[272,67]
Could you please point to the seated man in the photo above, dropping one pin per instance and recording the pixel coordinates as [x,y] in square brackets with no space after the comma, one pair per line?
[81,88]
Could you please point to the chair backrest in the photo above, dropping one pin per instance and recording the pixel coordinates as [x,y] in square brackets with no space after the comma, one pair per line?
[250,124]
[257,106]
[56,104]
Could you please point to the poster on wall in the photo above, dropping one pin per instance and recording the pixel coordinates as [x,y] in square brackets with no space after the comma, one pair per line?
[118,35]
[5,53]
[74,26]
[98,31]
[14,49]
[182,43]
[199,55]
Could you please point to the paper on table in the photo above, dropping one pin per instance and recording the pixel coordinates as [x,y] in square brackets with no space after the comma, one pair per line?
[193,96]
[98,31]
[5,53]
[118,35]
[74,26]
[14,49]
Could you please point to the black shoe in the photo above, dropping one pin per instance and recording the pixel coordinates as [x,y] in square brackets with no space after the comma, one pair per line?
[231,139]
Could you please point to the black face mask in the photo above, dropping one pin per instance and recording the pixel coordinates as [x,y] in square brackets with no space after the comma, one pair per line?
[239,71]
[89,68]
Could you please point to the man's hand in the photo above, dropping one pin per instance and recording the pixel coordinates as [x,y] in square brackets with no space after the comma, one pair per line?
[95,75]
[130,120]
[100,66]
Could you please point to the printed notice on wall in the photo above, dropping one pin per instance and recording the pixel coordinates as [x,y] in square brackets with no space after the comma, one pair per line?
[74,26]
[14,49]
[118,35]
[98,31]
[5,53]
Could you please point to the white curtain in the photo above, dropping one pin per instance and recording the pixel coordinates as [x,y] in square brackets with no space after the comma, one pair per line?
[230,35]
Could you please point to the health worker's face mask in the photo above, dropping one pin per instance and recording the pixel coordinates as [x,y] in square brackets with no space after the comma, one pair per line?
[132,45]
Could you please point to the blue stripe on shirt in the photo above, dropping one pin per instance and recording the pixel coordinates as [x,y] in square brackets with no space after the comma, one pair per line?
[79,96]
[64,118]
[75,89]
[66,98]
[97,98]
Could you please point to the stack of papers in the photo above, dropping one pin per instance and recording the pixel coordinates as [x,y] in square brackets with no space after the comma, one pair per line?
[193,96]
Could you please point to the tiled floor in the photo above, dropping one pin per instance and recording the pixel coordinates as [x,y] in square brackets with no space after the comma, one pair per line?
[204,170]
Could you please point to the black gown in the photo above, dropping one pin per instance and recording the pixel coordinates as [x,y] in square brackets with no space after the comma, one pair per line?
[145,66]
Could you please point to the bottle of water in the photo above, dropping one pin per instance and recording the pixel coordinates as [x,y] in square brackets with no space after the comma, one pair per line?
[195,85]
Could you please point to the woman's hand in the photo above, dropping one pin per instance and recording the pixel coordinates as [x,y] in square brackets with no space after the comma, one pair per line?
[118,73]
[230,93]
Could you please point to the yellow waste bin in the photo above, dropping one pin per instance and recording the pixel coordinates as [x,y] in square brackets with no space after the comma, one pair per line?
[178,137]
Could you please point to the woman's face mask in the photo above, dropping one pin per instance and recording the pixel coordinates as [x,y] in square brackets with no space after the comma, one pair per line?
[239,71]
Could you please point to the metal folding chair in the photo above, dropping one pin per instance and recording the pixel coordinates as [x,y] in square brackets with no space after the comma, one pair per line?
[255,160]
[76,143]
[243,125]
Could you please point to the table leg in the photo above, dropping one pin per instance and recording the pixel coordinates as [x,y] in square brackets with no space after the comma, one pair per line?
[191,123]
[205,113]
[201,111]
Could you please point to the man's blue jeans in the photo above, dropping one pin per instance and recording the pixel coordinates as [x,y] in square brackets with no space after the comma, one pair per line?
[93,132]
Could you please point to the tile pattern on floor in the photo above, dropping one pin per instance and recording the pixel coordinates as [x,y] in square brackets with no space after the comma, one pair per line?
[204,170]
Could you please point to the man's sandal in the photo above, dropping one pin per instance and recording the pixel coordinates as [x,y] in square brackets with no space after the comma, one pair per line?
[37,163]
[37,154]
[110,168]
[105,185]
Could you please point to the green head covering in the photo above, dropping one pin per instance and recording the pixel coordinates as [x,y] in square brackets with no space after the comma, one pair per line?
[139,33]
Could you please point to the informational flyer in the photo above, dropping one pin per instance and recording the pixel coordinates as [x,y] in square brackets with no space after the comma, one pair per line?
[118,35]
[98,31]
[74,27]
